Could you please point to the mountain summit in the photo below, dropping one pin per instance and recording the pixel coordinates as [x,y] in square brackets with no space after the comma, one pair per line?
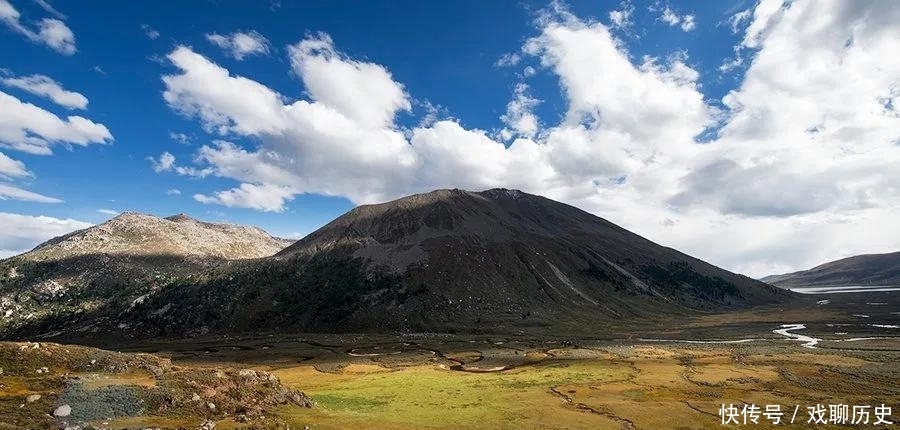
[454,257]
[134,234]
[444,261]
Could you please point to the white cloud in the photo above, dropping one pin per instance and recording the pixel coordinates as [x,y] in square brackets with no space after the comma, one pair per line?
[765,16]
[341,84]
[180,138]
[241,44]
[621,18]
[20,233]
[265,197]
[26,127]
[173,192]
[15,193]
[671,17]
[10,168]
[107,212]
[732,63]
[164,163]
[51,32]
[520,119]
[507,60]
[232,104]
[150,32]
[799,167]
[55,34]
[46,87]
[738,19]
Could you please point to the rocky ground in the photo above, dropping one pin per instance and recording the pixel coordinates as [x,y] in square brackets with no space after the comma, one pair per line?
[52,386]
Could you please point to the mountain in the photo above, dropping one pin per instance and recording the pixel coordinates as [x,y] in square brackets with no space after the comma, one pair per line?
[137,234]
[115,263]
[870,269]
[445,261]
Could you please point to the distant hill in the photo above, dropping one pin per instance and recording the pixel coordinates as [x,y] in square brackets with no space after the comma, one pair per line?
[870,269]
[445,261]
[115,264]
[136,234]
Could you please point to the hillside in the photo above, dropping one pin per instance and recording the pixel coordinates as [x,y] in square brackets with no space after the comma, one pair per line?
[870,269]
[445,261]
[116,264]
[137,234]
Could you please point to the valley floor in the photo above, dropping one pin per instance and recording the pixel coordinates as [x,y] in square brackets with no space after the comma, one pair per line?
[836,349]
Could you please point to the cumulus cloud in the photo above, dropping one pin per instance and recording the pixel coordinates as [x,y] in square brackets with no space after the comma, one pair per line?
[798,167]
[231,104]
[519,118]
[265,197]
[49,31]
[45,86]
[10,192]
[241,44]
[341,84]
[26,127]
[20,233]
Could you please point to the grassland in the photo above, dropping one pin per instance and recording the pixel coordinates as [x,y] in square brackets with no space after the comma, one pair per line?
[673,376]
[618,387]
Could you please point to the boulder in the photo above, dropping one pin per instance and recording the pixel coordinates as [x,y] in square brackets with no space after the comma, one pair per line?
[62,411]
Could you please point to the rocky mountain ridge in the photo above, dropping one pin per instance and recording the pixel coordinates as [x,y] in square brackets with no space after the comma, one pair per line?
[134,234]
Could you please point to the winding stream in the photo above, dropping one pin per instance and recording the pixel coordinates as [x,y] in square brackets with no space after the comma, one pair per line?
[785,330]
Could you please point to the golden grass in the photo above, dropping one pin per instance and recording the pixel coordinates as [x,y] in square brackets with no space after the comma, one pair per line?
[654,387]
[93,381]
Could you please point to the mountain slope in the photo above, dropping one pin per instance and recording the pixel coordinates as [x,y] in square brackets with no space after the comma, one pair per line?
[445,261]
[452,260]
[870,269]
[115,263]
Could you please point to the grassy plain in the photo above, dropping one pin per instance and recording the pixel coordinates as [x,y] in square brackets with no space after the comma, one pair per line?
[673,376]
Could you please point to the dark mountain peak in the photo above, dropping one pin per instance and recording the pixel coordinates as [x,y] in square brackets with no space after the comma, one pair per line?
[505,193]
[180,217]
[494,215]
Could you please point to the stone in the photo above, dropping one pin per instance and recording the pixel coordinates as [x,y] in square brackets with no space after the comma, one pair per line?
[62,411]
[32,398]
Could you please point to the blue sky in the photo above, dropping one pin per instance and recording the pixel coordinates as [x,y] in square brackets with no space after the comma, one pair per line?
[596,79]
